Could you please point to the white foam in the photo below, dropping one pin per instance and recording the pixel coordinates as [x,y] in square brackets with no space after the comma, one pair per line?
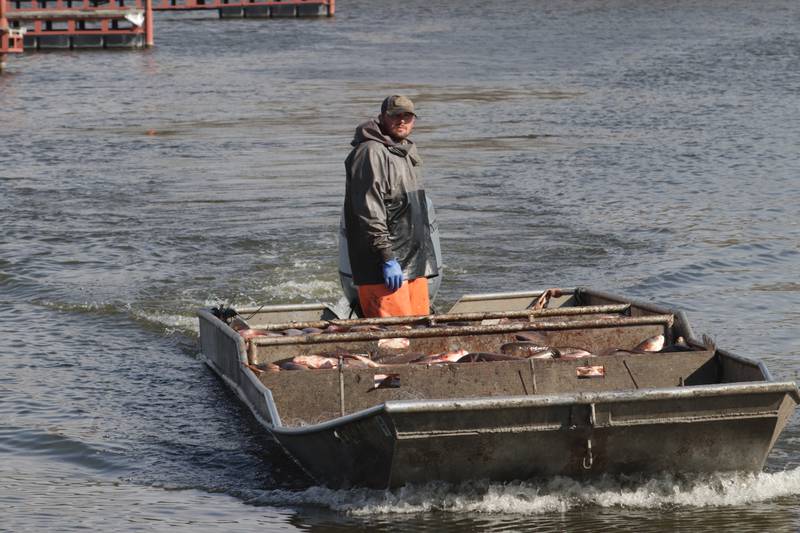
[554,495]
[171,323]
[314,290]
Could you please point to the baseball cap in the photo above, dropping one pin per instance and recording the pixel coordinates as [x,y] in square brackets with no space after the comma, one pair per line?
[396,104]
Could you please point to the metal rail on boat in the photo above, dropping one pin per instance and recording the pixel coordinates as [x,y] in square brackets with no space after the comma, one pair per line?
[666,320]
[449,317]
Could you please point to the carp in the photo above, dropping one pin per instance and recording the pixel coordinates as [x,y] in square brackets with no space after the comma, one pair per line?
[653,344]
[350,359]
[544,299]
[399,359]
[524,349]
[358,361]
[385,381]
[568,352]
[248,334]
[398,343]
[257,371]
[619,351]
[680,345]
[316,361]
[260,368]
[479,357]
[291,365]
[549,353]
[444,357]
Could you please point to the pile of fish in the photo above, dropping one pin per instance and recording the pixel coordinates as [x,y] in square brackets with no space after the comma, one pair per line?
[394,351]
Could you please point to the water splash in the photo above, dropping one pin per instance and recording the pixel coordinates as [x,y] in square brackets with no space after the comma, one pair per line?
[314,289]
[553,495]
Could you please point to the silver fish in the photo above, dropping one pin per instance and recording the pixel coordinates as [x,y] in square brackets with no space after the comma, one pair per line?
[291,365]
[444,357]
[680,345]
[397,343]
[653,344]
[479,357]
[385,381]
[568,352]
[523,348]
[316,361]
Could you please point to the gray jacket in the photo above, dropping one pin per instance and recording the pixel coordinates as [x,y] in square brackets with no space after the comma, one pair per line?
[385,210]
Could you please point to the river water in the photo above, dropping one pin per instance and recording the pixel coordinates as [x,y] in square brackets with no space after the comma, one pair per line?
[647,148]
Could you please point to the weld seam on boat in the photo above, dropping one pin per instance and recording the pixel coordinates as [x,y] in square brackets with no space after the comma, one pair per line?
[406,435]
[690,419]
[333,423]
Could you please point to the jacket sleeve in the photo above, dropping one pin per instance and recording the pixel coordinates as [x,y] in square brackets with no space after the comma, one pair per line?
[369,184]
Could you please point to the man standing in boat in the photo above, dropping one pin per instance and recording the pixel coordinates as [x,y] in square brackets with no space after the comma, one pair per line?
[386,215]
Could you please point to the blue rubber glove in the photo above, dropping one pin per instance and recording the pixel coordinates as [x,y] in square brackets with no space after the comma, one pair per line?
[392,275]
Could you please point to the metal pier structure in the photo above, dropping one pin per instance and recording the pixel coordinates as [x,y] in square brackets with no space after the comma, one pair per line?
[253,8]
[86,24]
[75,24]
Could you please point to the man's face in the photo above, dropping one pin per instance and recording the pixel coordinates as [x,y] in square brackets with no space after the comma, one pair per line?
[399,126]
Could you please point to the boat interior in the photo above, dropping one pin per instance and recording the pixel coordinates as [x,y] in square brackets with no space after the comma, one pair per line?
[606,329]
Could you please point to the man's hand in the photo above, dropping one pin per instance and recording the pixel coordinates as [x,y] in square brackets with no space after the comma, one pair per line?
[392,275]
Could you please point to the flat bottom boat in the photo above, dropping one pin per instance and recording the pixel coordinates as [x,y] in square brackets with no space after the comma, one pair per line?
[689,407]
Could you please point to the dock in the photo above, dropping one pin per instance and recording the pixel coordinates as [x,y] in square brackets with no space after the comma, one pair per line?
[253,8]
[98,24]
[75,24]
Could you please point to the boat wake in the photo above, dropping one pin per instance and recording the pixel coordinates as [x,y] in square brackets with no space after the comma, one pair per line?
[553,495]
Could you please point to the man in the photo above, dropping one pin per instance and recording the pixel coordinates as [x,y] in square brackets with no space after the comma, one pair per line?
[386,216]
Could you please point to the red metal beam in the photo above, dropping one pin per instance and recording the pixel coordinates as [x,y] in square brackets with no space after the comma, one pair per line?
[10,39]
[148,23]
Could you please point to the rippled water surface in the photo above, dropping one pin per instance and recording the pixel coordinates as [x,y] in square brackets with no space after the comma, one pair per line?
[645,148]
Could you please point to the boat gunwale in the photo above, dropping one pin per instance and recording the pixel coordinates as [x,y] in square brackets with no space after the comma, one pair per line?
[549,400]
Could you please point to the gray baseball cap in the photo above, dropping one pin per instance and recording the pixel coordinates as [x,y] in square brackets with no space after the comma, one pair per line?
[396,104]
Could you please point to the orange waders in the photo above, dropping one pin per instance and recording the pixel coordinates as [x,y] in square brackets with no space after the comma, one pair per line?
[410,299]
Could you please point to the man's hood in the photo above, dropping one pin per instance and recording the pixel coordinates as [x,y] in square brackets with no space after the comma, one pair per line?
[371,131]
